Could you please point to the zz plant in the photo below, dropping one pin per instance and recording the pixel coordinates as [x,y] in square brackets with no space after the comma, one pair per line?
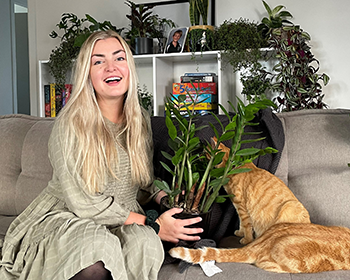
[196,182]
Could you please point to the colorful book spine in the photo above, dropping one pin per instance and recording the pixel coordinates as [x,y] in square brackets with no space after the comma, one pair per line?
[207,98]
[196,88]
[53,99]
[47,101]
[66,94]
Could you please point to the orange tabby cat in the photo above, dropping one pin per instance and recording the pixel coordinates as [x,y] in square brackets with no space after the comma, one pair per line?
[290,248]
[286,240]
[261,200]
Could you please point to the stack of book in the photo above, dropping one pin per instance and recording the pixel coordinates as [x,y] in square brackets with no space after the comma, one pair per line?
[202,87]
[55,100]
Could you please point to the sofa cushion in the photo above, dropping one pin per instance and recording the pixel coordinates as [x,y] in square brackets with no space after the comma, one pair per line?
[24,161]
[314,162]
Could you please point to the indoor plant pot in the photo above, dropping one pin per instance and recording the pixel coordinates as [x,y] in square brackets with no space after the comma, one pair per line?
[143,45]
[195,182]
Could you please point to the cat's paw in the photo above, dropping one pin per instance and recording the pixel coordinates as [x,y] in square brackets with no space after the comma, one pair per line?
[239,233]
[245,241]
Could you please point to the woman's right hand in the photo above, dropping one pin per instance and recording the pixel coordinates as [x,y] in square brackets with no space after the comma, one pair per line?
[172,230]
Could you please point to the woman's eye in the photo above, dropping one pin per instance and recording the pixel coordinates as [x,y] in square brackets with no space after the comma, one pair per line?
[97,62]
[120,58]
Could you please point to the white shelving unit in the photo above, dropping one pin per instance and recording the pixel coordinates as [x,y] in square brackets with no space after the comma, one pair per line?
[159,71]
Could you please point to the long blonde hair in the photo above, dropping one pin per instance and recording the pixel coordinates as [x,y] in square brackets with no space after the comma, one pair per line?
[85,134]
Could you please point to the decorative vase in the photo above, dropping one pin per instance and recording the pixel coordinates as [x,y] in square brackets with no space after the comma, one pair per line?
[143,45]
[200,38]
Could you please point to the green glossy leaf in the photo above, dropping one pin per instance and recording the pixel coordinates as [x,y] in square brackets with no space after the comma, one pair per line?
[218,158]
[248,152]
[172,131]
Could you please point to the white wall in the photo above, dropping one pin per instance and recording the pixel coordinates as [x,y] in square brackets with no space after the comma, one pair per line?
[326,21]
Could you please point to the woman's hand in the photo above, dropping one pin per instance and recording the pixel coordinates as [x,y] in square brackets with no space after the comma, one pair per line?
[173,230]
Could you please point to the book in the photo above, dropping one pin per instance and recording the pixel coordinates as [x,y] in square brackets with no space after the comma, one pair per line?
[47,101]
[53,99]
[200,88]
[199,77]
[196,79]
[208,98]
[200,74]
[66,94]
[58,94]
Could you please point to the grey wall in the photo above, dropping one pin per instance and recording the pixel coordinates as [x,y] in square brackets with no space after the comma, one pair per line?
[22,63]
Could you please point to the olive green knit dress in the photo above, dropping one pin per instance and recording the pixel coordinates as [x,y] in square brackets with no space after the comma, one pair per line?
[65,229]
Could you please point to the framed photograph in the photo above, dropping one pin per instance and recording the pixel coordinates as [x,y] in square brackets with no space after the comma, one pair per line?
[176,40]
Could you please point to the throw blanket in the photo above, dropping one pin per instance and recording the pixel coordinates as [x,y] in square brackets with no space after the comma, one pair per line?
[224,219]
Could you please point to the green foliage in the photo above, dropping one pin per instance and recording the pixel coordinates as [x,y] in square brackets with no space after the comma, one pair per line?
[201,40]
[75,32]
[196,182]
[276,19]
[256,81]
[145,24]
[240,42]
[295,75]
[145,99]
[141,19]
[198,9]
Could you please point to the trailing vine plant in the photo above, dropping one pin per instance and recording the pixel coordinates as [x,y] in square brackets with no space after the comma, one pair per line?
[296,78]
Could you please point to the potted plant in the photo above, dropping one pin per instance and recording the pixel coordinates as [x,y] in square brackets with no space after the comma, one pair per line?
[74,34]
[276,19]
[241,43]
[196,183]
[200,36]
[295,75]
[160,28]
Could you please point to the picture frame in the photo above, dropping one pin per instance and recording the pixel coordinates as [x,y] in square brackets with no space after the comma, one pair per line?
[171,48]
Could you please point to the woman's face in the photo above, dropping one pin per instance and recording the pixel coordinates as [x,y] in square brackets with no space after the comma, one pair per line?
[109,70]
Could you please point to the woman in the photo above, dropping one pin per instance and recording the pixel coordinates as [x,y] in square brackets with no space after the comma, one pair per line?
[87,223]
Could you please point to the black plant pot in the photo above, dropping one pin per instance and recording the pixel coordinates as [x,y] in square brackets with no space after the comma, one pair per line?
[204,224]
[143,45]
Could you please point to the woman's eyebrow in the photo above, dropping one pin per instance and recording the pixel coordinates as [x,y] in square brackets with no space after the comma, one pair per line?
[102,55]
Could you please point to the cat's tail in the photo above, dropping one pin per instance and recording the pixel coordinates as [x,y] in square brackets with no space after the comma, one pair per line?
[242,255]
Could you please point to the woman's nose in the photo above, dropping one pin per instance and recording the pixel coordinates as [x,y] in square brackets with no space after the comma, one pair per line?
[110,66]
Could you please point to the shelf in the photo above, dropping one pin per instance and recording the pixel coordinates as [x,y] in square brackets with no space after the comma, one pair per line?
[159,71]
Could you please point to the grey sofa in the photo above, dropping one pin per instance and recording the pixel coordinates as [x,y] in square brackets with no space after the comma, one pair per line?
[313,164]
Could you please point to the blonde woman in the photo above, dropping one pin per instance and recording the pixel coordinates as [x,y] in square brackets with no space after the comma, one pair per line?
[88,223]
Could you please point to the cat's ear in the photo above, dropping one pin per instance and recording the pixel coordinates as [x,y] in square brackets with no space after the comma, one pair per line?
[213,141]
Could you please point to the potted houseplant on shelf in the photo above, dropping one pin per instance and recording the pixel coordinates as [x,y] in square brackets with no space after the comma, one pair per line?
[200,36]
[141,27]
[195,182]
[295,75]
[75,32]
[241,43]
[144,27]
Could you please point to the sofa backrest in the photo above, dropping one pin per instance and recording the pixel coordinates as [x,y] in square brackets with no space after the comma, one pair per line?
[24,166]
[314,162]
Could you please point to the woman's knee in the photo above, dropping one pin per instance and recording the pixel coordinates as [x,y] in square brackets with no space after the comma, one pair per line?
[97,271]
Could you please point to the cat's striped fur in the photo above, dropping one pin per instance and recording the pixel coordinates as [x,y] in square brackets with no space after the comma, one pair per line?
[293,248]
[261,200]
